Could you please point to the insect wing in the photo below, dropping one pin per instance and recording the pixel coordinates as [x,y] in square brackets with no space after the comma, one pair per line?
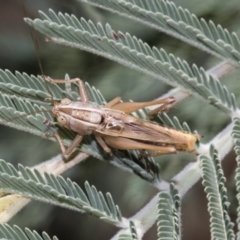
[135,128]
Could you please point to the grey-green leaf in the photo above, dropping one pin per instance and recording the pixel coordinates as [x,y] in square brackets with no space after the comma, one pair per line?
[165,16]
[133,53]
[15,233]
[57,191]
[213,181]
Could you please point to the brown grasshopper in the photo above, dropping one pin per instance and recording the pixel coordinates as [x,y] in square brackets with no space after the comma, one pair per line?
[114,127]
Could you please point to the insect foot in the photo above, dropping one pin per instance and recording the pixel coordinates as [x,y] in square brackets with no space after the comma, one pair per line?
[47,122]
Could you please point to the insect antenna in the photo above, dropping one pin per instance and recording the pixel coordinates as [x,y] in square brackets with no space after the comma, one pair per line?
[37,50]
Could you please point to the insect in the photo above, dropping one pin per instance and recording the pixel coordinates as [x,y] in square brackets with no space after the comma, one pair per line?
[113,126]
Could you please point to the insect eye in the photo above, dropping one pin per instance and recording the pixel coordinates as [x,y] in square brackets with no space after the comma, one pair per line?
[62,120]
[65,101]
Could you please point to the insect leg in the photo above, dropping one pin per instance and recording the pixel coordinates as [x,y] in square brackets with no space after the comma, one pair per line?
[130,144]
[81,87]
[144,155]
[102,144]
[163,108]
[71,147]
[112,102]
[129,107]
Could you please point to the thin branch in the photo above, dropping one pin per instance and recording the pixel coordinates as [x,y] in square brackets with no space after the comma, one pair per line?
[221,69]
[57,165]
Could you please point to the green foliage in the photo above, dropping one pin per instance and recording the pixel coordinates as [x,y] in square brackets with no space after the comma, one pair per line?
[133,53]
[125,237]
[133,230]
[168,215]
[15,233]
[174,123]
[28,87]
[25,105]
[236,138]
[213,181]
[165,16]
[58,191]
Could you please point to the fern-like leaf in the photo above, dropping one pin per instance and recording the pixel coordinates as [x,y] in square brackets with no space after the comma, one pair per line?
[236,138]
[125,236]
[178,22]
[133,230]
[168,215]
[133,53]
[213,181]
[58,191]
[30,87]
[173,123]
[15,233]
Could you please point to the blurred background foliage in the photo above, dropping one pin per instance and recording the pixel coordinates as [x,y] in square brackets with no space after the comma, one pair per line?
[130,192]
